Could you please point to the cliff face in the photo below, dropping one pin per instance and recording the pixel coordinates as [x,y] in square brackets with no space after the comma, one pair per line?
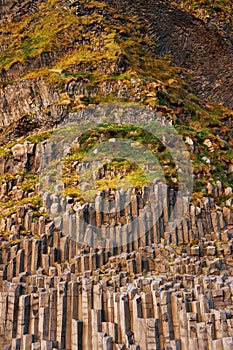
[145,266]
[28,98]
[58,57]
[203,47]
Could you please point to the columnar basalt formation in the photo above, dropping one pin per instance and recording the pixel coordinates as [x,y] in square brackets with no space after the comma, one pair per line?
[194,44]
[142,268]
[134,270]
[56,294]
[132,287]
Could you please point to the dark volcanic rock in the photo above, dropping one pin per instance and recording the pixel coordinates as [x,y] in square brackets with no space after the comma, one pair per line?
[201,49]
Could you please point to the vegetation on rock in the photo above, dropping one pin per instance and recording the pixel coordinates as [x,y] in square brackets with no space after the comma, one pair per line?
[91,54]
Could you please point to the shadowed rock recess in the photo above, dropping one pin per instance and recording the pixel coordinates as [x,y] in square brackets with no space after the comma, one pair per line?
[132,267]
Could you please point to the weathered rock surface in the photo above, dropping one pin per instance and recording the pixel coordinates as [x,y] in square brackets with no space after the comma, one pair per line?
[133,270]
[56,294]
[201,48]
[28,106]
[86,282]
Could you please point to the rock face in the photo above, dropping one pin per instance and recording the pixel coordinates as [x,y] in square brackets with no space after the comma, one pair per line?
[145,271]
[201,48]
[29,98]
[57,294]
[204,50]
[132,270]
[15,10]
[96,278]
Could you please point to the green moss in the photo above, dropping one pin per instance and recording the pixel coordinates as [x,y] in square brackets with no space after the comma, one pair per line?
[81,56]
[39,137]
[38,33]
[30,180]
[10,207]
[221,9]
[129,174]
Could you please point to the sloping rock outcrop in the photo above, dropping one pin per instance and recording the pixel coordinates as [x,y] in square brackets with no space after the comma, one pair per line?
[135,269]
[203,50]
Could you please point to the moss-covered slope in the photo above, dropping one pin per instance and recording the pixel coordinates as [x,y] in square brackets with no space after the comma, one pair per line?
[90,52]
